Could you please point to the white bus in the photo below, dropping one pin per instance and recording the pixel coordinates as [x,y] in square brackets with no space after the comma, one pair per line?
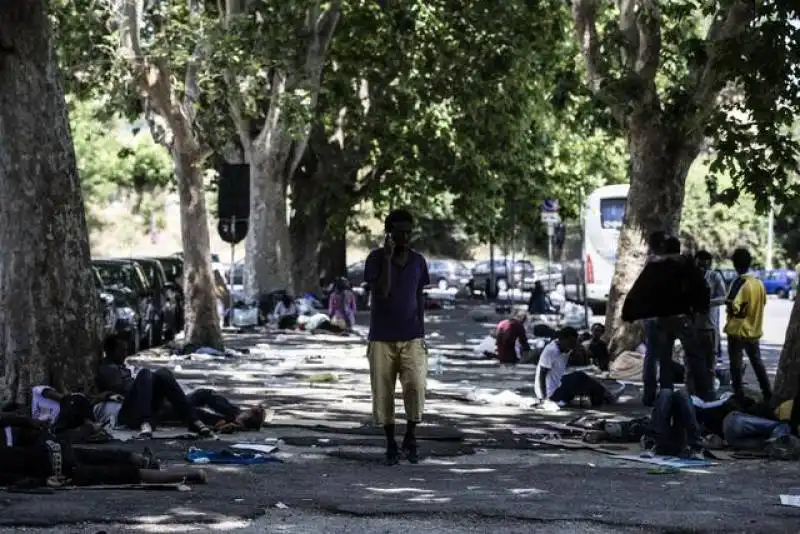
[603,215]
[596,246]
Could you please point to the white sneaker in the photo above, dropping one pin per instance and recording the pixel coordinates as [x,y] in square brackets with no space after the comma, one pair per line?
[145,431]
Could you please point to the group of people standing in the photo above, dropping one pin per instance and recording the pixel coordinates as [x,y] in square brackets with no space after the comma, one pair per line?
[679,296]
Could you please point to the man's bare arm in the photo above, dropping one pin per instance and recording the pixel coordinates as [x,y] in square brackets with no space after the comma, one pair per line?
[543,383]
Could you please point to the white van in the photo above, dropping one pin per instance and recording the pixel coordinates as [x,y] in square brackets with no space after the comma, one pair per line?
[603,215]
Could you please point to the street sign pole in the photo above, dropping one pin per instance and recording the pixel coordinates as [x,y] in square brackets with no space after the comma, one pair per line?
[550,218]
[550,233]
[230,271]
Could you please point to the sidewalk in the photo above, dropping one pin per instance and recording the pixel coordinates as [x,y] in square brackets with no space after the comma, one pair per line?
[478,475]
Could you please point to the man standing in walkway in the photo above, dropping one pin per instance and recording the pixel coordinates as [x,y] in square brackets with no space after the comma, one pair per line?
[397,274]
[707,324]
[671,290]
[744,327]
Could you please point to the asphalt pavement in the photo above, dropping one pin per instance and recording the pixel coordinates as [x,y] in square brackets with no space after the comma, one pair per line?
[480,473]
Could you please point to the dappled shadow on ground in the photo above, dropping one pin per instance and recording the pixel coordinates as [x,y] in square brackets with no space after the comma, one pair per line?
[318,386]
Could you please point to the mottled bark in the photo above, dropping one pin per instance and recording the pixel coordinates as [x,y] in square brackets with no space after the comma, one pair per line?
[333,254]
[175,131]
[268,263]
[49,312]
[787,379]
[310,215]
[202,326]
[658,168]
[275,153]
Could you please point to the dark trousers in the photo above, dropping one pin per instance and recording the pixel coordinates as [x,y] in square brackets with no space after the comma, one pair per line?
[673,424]
[287,321]
[706,344]
[85,466]
[210,407]
[664,331]
[737,347]
[150,391]
[578,384]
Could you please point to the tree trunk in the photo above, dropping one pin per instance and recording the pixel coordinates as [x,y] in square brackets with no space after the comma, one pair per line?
[311,210]
[787,379]
[49,311]
[202,318]
[268,265]
[658,167]
[333,254]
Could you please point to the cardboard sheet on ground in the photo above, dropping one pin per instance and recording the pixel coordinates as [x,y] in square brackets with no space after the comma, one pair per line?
[790,500]
[666,461]
[257,447]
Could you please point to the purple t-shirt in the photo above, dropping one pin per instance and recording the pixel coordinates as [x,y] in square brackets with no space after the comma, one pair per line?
[397,317]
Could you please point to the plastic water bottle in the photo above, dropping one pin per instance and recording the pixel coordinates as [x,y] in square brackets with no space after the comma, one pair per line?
[437,365]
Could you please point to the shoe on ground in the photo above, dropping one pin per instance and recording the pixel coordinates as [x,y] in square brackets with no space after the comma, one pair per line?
[411,451]
[392,454]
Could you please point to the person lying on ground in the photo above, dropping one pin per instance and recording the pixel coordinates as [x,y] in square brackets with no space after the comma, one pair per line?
[285,313]
[142,397]
[673,429]
[31,456]
[553,383]
[509,333]
[319,322]
[342,305]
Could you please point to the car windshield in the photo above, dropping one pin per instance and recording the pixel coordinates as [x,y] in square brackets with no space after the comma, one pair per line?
[125,274]
[173,268]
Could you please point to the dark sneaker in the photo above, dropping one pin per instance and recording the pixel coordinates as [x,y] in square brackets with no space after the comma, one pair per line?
[392,454]
[411,451]
[696,453]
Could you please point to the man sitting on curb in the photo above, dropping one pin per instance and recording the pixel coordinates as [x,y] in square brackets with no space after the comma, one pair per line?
[554,384]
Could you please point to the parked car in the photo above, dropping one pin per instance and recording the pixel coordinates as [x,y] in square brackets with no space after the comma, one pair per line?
[173,270]
[779,282]
[127,318]
[109,311]
[447,273]
[507,274]
[164,301]
[355,275]
[126,278]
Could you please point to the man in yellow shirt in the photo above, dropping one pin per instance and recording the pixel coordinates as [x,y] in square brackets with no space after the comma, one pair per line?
[745,306]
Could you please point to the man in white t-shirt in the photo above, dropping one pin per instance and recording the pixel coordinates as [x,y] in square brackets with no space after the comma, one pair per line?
[555,384]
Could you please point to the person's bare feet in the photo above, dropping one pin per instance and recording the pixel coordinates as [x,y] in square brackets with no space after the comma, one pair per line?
[254,418]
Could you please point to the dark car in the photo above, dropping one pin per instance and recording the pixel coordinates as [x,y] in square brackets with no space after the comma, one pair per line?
[447,273]
[127,319]
[163,300]
[173,270]
[125,279]
[507,274]
[108,309]
[355,275]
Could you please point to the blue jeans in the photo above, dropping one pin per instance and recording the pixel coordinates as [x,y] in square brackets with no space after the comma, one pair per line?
[673,424]
[650,365]
[743,431]
[663,332]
